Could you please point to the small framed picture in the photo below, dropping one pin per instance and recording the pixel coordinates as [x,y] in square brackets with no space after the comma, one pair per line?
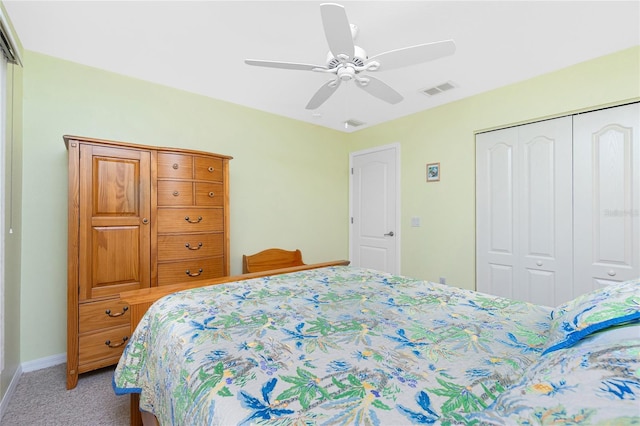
[433,172]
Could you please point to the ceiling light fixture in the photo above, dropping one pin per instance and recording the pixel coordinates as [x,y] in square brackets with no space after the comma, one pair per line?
[353,123]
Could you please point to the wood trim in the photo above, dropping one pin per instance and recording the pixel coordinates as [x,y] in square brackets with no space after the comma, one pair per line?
[226,219]
[72,264]
[69,138]
[140,300]
[153,282]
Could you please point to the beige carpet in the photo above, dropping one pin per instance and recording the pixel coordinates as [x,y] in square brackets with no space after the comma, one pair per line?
[41,398]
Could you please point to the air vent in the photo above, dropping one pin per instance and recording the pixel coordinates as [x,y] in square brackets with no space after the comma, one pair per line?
[432,91]
[352,123]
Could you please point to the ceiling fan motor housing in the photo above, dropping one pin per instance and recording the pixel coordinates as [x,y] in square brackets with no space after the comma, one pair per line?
[359,56]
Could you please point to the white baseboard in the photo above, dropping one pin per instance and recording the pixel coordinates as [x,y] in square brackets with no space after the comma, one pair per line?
[4,404]
[26,367]
[39,364]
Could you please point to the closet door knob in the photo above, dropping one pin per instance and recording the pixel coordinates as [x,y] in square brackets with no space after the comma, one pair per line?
[145,221]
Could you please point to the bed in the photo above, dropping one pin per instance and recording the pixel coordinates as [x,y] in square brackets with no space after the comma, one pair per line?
[346,345]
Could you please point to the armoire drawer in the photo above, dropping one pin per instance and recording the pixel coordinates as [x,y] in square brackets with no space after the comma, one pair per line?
[208,168]
[190,220]
[176,166]
[190,270]
[103,314]
[189,246]
[104,345]
[209,194]
[175,193]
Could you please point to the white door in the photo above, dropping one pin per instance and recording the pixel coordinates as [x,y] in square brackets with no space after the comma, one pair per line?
[607,196]
[374,202]
[524,212]
[546,213]
[496,212]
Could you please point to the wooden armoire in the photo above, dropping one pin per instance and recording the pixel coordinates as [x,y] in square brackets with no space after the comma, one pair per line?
[139,216]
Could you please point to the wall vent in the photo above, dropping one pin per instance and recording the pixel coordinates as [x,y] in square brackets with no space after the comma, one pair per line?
[432,91]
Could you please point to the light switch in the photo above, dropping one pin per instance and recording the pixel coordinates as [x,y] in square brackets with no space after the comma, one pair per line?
[415,221]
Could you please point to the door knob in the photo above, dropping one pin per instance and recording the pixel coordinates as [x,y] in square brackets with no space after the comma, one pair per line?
[390,234]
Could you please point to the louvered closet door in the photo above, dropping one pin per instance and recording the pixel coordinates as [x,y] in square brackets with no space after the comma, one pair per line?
[607,196]
[524,212]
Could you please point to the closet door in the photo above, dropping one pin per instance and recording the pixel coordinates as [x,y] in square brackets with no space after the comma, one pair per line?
[545,276]
[524,212]
[497,217]
[606,196]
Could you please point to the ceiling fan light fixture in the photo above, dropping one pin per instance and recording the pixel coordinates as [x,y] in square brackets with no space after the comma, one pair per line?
[359,56]
[346,61]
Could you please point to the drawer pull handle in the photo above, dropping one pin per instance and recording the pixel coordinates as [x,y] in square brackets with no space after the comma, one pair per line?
[193,221]
[193,248]
[211,169]
[176,193]
[211,194]
[188,272]
[175,166]
[117,345]
[119,314]
[611,273]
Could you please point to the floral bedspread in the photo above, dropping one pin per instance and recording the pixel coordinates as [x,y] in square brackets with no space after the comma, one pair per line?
[339,345]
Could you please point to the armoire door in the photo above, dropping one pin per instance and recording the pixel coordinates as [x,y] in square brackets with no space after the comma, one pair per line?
[524,212]
[115,208]
[606,152]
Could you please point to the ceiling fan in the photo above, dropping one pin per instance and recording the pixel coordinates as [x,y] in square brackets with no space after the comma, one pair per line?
[347,61]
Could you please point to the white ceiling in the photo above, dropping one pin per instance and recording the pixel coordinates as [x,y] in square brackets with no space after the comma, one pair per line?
[200,46]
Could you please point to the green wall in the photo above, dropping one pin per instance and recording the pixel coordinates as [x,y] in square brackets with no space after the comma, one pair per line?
[287,178]
[444,245]
[289,181]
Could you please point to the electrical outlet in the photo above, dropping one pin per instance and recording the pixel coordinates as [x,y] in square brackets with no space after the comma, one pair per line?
[443,280]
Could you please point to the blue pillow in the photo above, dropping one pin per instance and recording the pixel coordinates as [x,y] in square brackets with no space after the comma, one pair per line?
[611,305]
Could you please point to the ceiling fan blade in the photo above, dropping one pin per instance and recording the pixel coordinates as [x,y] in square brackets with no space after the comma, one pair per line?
[325,91]
[337,29]
[284,65]
[380,90]
[414,55]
